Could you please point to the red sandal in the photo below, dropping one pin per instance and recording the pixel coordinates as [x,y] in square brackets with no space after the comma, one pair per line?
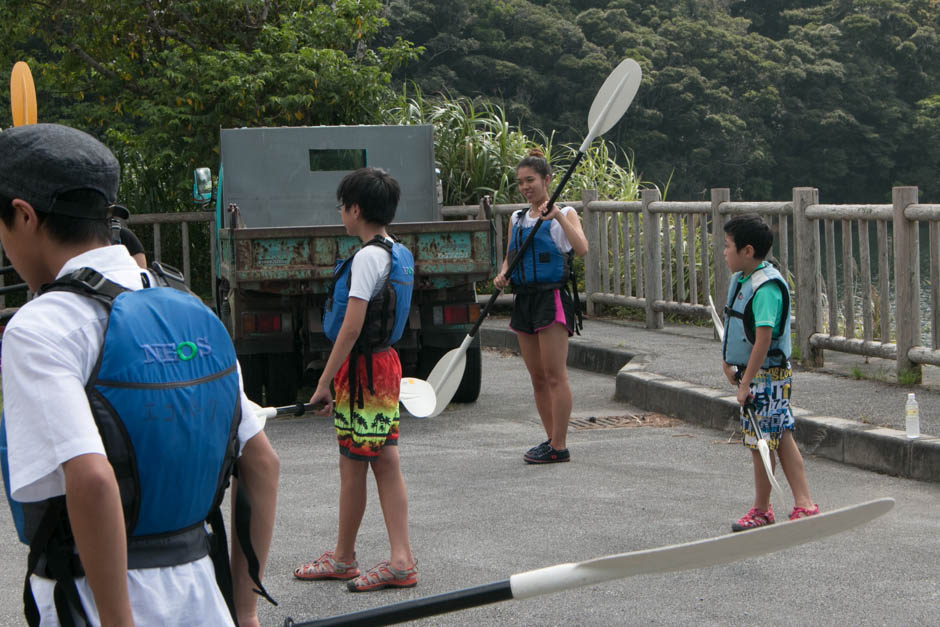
[802,512]
[753,519]
[325,567]
[382,575]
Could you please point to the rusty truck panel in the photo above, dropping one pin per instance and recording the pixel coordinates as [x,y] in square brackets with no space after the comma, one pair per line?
[302,259]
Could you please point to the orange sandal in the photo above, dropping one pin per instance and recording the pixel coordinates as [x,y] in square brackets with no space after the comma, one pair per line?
[325,567]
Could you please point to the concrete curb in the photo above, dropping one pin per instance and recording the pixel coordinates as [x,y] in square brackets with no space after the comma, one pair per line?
[858,444]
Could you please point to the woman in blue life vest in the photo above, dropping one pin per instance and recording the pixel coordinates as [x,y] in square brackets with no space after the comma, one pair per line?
[545,310]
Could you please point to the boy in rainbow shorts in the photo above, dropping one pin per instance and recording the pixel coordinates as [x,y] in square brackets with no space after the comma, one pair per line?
[756,360]
[369,303]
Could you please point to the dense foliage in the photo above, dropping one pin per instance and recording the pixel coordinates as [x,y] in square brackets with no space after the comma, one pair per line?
[156,79]
[843,95]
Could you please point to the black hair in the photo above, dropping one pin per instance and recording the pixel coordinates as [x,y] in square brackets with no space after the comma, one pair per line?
[536,160]
[67,229]
[374,190]
[750,230]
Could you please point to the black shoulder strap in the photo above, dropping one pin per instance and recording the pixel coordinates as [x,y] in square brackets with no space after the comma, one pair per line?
[378,240]
[575,296]
[218,552]
[168,276]
[242,523]
[52,544]
[729,311]
[88,282]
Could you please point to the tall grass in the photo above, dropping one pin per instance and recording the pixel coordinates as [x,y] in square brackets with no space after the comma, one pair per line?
[477,150]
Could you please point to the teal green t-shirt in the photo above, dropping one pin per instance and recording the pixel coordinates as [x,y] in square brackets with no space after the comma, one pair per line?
[767,304]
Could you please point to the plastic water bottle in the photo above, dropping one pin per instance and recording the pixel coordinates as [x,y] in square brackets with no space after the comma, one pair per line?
[912,417]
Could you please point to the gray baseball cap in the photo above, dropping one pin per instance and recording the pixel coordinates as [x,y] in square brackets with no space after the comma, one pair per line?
[40,161]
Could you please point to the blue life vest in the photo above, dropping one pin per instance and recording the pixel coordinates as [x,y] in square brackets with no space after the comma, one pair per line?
[165,397]
[739,320]
[542,266]
[387,313]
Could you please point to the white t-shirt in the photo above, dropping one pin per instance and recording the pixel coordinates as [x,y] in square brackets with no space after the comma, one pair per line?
[370,268]
[49,351]
[558,233]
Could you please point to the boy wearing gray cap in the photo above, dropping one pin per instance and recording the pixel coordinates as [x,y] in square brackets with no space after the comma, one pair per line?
[105,466]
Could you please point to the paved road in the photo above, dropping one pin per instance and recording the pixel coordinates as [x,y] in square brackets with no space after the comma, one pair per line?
[478,514]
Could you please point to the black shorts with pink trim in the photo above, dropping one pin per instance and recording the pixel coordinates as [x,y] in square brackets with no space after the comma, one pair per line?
[534,310]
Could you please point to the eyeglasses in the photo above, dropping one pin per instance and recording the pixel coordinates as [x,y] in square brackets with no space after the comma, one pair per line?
[340,206]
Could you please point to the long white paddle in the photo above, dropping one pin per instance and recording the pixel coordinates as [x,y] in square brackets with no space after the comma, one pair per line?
[610,103]
[688,556]
[719,325]
[762,447]
[416,395]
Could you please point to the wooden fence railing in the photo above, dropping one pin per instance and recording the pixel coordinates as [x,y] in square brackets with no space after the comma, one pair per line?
[155,221]
[667,257]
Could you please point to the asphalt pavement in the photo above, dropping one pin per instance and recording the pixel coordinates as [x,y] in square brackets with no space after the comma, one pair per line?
[478,514]
[851,410]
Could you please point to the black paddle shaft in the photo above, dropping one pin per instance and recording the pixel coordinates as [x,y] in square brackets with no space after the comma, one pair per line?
[419,608]
[517,258]
[299,409]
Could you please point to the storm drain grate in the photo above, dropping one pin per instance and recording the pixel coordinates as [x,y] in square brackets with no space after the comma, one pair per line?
[624,421]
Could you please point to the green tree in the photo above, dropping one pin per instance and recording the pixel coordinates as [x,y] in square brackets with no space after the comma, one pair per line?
[756,96]
[156,80]
[857,73]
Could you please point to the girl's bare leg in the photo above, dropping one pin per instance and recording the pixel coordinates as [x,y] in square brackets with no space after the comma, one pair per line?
[553,352]
[529,346]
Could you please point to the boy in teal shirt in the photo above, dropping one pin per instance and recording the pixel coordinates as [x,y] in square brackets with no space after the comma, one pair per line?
[756,359]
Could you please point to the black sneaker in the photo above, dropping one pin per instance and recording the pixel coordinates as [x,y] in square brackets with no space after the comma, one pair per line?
[548,455]
[536,449]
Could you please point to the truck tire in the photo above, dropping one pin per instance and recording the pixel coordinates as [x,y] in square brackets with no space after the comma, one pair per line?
[281,381]
[469,389]
[253,375]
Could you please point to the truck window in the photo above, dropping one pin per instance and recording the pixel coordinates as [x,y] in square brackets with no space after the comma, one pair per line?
[337,159]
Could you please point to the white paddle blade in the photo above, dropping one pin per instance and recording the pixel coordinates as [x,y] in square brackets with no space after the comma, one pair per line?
[417,397]
[446,376]
[613,99]
[719,325]
[765,457]
[700,554]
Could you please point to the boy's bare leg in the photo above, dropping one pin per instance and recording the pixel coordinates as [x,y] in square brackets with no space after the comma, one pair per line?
[394,499]
[761,483]
[531,356]
[553,348]
[792,462]
[352,506]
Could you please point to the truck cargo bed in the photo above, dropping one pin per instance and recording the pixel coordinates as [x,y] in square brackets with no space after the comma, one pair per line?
[446,254]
